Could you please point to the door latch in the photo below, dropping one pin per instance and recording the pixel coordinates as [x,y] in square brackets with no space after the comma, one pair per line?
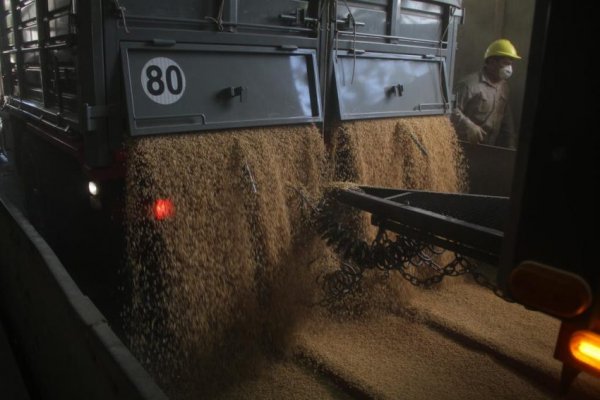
[240,91]
[396,90]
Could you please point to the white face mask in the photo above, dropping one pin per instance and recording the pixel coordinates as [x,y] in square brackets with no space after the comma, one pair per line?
[505,72]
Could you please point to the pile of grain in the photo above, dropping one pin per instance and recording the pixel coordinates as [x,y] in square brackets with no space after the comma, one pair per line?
[204,280]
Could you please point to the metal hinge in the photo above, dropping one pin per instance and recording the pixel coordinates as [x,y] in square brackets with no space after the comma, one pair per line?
[459,12]
[92,114]
[121,13]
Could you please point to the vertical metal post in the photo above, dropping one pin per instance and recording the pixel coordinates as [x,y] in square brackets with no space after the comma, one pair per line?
[42,26]
[330,29]
[7,84]
[394,13]
[18,46]
[230,11]
[452,44]
[92,65]
[323,47]
[445,86]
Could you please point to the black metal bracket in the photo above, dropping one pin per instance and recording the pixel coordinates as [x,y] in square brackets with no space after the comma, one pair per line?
[465,223]
[163,42]
[288,47]
[40,118]
[298,18]
[356,51]
[348,23]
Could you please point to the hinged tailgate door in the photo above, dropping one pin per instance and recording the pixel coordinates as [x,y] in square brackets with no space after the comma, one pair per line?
[201,87]
[376,85]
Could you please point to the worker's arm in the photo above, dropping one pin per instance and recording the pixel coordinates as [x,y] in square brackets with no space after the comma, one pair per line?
[465,127]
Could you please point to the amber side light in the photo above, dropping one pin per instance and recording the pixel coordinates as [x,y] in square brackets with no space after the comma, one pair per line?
[585,348]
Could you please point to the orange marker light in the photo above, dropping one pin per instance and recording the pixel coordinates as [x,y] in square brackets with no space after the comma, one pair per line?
[163,209]
[585,348]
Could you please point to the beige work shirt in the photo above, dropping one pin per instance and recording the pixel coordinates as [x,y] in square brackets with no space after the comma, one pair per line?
[480,102]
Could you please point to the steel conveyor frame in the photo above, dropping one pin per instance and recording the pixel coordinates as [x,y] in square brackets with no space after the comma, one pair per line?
[392,210]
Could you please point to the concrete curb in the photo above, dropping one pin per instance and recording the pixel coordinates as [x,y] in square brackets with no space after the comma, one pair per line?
[69,349]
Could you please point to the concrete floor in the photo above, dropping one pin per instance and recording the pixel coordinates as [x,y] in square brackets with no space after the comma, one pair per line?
[12,385]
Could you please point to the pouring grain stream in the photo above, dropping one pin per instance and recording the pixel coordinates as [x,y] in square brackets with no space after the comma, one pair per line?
[233,270]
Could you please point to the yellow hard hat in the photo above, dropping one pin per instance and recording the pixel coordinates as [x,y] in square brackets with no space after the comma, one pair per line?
[502,48]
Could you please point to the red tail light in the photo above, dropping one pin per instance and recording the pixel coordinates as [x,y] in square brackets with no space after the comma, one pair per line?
[163,209]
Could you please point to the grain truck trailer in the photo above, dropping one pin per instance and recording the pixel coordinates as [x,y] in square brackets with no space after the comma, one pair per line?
[83,79]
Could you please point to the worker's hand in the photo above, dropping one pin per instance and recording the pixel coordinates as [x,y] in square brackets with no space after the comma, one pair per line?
[477,135]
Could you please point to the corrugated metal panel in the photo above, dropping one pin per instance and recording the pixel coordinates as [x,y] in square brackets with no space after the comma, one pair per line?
[28,12]
[20,49]
[62,90]
[421,21]
[266,16]
[182,9]
[29,35]
[454,3]
[41,57]
[56,4]
[58,26]
[7,45]
[407,22]
[269,12]
[32,74]
[371,17]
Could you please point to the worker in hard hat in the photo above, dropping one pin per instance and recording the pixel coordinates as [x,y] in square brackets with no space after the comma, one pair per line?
[482,114]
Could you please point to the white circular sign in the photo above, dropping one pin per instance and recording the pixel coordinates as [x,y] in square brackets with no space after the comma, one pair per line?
[163,80]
